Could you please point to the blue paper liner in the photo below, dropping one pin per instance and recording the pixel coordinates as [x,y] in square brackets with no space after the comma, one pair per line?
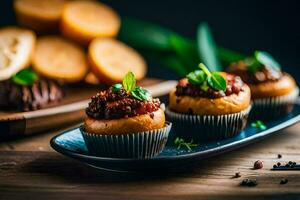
[141,145]
[272,107]
[207,127]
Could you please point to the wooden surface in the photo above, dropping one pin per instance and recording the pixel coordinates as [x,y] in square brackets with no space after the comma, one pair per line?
[30,169]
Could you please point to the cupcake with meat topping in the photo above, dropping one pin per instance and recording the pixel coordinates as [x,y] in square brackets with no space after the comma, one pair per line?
[125,121]
[273,91]
[209,105]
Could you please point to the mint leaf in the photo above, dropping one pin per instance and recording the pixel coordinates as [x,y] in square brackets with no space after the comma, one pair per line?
[204,86]
[197,77]
[252,65]
[25,77]
[141,94]
[116,87]
[217,81]
[129,82]
[267,60]
[204,69]
[259,124]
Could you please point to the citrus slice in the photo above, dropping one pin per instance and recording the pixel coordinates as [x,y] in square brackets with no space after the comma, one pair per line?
[84,20]
[16,49]
[39,15]
[59,58]
[110,60]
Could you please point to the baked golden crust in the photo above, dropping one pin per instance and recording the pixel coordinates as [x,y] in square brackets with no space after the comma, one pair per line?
[126,125]
[205,106]
[283,86]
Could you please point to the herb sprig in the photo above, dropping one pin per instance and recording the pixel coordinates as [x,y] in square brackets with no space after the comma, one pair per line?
[262,58]
[204,77]
[180,143]
[259,125]
[25,77]
[129,85]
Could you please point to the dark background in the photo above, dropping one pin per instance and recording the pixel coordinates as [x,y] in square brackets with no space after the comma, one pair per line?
[270,25]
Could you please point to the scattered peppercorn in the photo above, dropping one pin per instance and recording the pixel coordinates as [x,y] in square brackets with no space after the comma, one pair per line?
[258,164]
[278,164]
[275,166]
[249,182]
[279,156]
[237,175]
[290,162]
[283,181]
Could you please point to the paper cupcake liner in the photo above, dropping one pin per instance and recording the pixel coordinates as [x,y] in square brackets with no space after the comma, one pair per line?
[141,145]
[206,127]
[270,108]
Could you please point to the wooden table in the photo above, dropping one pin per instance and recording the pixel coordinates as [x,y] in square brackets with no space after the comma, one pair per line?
[30,169]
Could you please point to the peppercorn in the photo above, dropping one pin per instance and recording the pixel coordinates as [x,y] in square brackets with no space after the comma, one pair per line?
[279,156]
[258,164]
[283,181]
[278,164]
[237,175]
[249,182]
[275,166]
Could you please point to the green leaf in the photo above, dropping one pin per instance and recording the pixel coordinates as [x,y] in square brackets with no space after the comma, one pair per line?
[207,49]
[141,94]
[217,81]
[145,35]
[185,50]
[267,60]
[252,64]
[204,69]
[259,124]
[116,87]
[204,86]
[25,77]
[129,82]
[196,77]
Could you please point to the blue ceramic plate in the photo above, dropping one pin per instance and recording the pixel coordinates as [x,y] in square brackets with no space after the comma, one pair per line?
[70,143]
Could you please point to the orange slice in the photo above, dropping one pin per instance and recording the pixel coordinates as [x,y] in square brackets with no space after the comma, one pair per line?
[84,20]
[16,49]
[110,60]
[39,15]
[58,58]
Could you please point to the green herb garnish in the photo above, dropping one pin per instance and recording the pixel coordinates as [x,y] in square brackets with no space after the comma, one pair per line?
[197,77]
[179,142]
[205,78]
[129,85]
[259,124]
[129,82]
[141,94]
[116,87]
[261,59]
[25,77]
[266,59]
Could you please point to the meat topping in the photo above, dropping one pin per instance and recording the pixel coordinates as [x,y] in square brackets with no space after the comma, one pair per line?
[113,105]
[234,86]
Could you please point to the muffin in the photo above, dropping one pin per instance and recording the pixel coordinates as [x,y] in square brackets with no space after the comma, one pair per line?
[206,106]
[273,91]
[125,121]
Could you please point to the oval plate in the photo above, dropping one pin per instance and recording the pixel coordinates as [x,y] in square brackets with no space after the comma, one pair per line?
[70,143]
